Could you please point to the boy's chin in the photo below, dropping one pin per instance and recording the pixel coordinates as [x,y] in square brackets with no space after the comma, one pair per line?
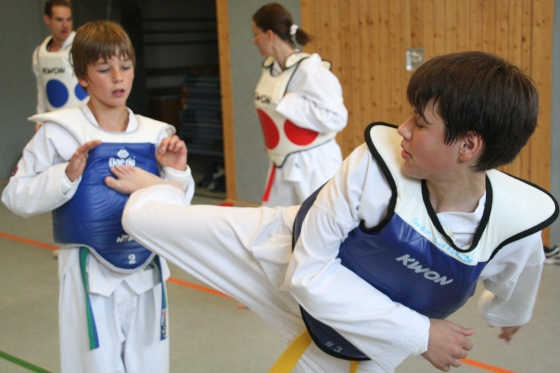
[410,173]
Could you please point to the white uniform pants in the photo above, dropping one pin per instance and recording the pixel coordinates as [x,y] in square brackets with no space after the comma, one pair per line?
[302,174]
[242,252]
[128,326]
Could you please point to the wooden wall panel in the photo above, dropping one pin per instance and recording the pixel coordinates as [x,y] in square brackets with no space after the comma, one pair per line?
[227,97]
[363,60]
[366,41]
[541,73]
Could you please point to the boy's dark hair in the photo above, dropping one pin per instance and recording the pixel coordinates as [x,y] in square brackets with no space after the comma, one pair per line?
[49,5]
[480,93]
[99,39]
[275,17]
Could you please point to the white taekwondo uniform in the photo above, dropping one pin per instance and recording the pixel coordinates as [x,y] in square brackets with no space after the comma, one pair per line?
[132,331]
[247,253]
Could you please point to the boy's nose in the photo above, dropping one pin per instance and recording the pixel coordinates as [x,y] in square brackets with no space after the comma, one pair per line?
[117,73]
[405,128]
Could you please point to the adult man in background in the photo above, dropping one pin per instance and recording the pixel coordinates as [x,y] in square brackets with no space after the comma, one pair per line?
[57,86]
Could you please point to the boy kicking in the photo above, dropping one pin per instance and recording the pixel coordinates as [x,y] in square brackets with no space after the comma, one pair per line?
[395,242]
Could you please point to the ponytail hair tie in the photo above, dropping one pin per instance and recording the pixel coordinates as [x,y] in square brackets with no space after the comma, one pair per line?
[293,29]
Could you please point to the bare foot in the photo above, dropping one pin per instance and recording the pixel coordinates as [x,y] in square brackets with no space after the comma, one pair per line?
[130,179]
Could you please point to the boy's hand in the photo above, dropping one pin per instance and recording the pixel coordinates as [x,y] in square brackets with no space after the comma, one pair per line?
[172,152]
[77,164]
[508,332]
[447,344]
[129,179]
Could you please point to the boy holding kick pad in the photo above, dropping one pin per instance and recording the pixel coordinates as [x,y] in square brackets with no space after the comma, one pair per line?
[112,306]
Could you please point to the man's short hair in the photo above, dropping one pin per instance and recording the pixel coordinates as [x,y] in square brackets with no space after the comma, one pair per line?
[51,3]
[479,93]
[99,39]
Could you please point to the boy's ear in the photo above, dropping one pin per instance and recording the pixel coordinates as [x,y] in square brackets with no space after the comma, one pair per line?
[471,147]
[83,82]
[46,19]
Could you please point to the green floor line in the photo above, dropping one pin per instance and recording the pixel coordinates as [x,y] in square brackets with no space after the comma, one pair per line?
[22,363]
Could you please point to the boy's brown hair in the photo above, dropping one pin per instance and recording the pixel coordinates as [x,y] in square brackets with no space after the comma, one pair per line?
[99,39]
[480,93]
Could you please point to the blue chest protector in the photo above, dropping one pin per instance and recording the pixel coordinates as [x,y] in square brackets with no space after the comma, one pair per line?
[403,265]
[398,258]
[93,216]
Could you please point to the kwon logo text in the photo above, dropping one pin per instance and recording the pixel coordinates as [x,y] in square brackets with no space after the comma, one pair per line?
[53,70]
[262,98]
[415,266]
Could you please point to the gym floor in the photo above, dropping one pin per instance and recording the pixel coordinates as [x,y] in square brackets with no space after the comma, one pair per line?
[208,332]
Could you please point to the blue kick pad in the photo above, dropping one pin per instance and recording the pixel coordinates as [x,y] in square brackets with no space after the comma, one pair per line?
[93,216]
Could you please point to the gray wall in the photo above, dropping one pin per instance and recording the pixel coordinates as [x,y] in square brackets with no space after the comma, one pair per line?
[250,157]
[21,30]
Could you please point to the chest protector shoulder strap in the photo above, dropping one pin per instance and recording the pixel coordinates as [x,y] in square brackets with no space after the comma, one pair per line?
[410,258]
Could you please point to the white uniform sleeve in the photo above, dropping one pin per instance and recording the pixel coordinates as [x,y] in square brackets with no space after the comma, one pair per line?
[314,98]
[183,178]
[41,107]
[512,280]
[385,331]
[39,183]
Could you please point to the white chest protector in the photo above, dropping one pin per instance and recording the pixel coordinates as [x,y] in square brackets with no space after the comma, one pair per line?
[76,123]
[92,217]
[57,78]
[282,137]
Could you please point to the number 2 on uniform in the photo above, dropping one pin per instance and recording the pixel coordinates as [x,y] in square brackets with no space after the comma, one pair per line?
[132,259]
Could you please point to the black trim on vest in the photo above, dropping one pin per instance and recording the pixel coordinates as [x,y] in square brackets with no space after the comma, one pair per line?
[388,177]
[425,195]
[481,225]
[319,344]
[537,227]
[291,77]
[264,64]
[302,150]
[269,66]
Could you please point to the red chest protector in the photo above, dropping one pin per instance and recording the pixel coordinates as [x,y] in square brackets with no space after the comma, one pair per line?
[282,137]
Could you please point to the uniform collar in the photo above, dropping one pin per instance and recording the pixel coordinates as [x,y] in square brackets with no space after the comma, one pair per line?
[130,127]
[292,59]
